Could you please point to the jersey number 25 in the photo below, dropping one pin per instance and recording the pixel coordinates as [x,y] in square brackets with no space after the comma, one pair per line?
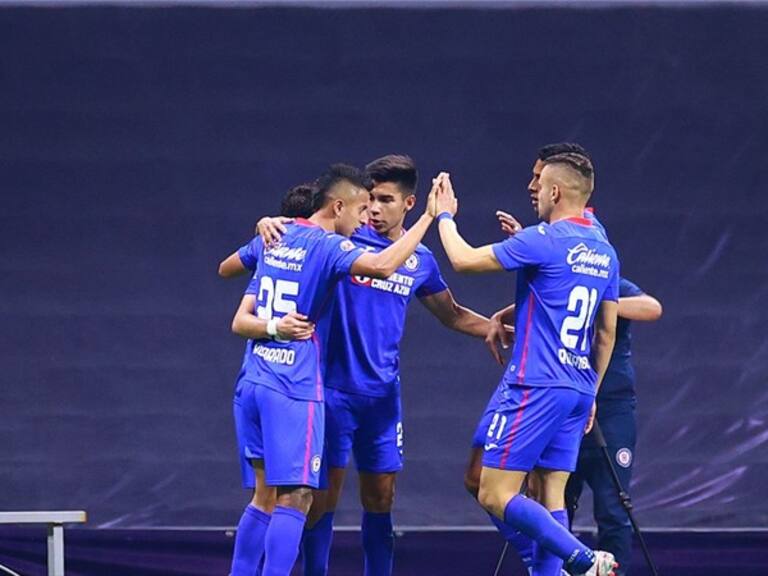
[272,294]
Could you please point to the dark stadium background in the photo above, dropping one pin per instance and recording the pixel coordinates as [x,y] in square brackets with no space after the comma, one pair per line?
[139,146]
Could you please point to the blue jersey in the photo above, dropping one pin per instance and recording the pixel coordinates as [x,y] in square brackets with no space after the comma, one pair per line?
[365,323]
[566,269]
[619,381]
[298,274]
[589,214]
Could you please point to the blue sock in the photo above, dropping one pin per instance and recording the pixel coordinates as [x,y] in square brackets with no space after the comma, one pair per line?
[317,546]
[519,541]
[378,543]
[249,542]
[533,520]
[545,562]
[282,541]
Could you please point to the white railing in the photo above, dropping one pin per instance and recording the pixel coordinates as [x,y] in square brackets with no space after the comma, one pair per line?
[55,521]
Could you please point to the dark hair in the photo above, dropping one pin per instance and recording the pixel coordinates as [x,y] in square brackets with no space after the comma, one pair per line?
[333,175]
[550,150]
[395,168]
[297,202]
[579,162]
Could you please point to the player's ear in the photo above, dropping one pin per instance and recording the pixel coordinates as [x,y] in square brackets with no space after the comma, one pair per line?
[556,193]
[338,207]
[410,202]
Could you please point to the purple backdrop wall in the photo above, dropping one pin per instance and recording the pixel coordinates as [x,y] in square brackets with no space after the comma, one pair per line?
[138,146]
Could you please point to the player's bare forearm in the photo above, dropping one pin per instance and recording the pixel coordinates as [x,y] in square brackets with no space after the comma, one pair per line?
[506,315]
[469,322]
[463,256]
[643,308]
[249,326]
[231,266]
[455,316]
[605,338]
[245,323]
[386,262]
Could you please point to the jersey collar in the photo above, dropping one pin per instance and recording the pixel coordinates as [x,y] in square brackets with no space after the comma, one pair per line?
[576,220]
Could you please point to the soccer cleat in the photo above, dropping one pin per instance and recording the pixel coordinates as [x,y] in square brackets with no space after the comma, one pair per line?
[603,566]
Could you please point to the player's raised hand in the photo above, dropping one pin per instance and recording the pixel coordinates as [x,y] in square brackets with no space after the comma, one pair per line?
[591,421]
[432,198]
[499,334]
[295,326]
[272,229]
[446,198]
[509,223]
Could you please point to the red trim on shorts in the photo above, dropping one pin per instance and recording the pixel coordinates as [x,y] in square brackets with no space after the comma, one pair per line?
[308,445]
[515,426]
[528,322]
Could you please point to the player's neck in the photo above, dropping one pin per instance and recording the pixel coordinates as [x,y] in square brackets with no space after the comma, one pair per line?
[325,222]
[563,212]
[395,232]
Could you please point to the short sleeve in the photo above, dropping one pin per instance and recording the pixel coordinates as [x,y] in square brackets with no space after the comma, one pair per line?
[628,289]
[253,286]
[530,247]
[341,253]
[249,254]
[434,282]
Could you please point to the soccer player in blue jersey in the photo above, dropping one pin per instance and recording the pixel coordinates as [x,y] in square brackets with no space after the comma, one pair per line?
[616,415]
[279,409]
[565,319]
[363,409]
[522,543]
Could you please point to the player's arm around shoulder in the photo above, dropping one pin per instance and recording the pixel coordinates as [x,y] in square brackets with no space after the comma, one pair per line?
[642,308]
[292,326]
[244,259]
[232,266]
[270,229]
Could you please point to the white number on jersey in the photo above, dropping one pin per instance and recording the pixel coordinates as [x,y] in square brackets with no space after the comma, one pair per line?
[581,301]
[273,294]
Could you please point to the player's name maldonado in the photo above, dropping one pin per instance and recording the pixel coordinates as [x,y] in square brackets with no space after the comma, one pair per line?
[284,356]
[584,260]
[571,359]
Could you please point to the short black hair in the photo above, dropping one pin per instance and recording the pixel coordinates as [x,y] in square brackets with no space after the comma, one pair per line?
[333,175]
[396,168]
[582,164]
[297,202]
[550,150]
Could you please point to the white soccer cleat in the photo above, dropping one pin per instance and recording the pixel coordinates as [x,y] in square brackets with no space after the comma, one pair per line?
[603,566]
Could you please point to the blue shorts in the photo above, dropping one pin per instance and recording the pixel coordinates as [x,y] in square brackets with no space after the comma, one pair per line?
[286,433]
[478,440]
[369,426]
[536,427]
